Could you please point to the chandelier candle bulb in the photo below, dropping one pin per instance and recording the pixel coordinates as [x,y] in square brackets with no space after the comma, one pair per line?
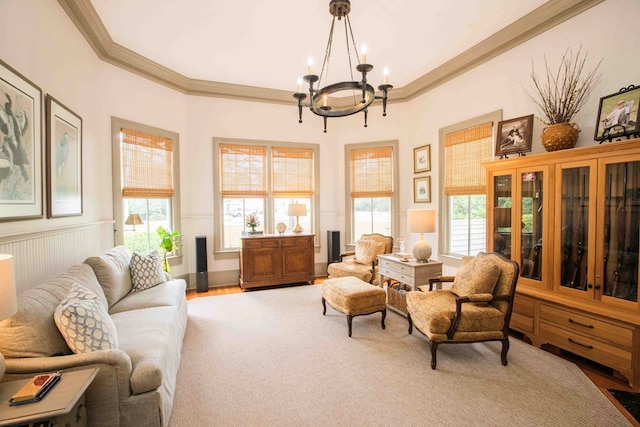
[386,76]
[364,53]
[299,84]
[309,65]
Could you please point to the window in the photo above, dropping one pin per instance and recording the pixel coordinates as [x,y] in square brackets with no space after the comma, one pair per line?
[262,179]
[371,171]
[145,184]
[464,147]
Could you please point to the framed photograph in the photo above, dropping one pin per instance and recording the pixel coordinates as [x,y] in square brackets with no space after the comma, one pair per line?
[514,136]
[64,160]
[422,159]
[618,115]
[21,146]
[422,189]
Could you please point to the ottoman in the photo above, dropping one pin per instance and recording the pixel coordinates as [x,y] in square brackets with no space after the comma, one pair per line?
[353,297]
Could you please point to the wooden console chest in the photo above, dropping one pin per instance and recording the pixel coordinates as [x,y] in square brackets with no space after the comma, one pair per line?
[269,260]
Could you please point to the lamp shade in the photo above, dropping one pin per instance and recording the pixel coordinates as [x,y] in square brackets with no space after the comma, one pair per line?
[134,219]
[8,300]
[297,209]
[421,221]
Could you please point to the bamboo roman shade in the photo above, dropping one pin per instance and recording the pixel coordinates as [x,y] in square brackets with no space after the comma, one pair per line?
[464,152]
[147,165]
[372,172]
[243,170]
[292,172]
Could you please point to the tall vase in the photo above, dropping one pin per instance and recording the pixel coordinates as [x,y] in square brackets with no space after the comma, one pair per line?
[560,136]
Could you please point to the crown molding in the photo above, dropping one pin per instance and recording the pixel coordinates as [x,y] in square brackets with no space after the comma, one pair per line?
[84,16]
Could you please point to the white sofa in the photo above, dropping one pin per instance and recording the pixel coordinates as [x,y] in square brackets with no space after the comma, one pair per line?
[136,381]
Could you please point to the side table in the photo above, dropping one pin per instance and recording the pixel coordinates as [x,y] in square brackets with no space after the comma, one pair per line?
[410,273]
[62,406]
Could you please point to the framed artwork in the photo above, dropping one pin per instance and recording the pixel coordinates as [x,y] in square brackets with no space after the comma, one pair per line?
[618,115]
[64,160]
[514,136]
[422,159]
[21,146]
[422,189]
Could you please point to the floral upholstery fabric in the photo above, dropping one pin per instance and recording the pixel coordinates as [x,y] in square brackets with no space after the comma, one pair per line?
[368,250]
[476,275]
[432,313]
[352,296]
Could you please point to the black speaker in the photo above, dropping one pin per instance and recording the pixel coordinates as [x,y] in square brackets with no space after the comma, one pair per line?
[202,274]
[333,246]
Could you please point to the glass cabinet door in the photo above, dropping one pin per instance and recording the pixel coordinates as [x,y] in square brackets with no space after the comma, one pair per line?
[574,236]
[502,192]
[621,230]
[531,204]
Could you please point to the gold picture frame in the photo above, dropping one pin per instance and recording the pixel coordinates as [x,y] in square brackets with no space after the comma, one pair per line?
[422,159]
[422,189]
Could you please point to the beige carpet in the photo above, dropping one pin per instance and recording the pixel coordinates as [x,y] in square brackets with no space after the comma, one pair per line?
[269,358]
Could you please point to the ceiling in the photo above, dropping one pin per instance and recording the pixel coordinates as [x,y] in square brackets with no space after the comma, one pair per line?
[266,44]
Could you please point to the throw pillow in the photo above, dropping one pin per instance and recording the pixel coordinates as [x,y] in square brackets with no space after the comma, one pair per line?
[146,271]
[476,275]
[84,322]
[368,250]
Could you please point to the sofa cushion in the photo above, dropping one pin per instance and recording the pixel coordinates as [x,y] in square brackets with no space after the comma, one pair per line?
[112,271]
[153,340]
[32,332]
[84,322]
[170,293]
[368,250]
[476,275]
[146,271]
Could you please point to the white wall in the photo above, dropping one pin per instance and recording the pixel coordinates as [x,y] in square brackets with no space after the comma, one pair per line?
[39,40]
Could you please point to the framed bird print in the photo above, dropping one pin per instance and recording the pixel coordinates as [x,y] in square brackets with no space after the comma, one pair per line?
[20,146]
[64,160]
[422,159]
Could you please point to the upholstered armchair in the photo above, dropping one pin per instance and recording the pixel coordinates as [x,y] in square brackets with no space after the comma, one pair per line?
[363,261]
[476,308]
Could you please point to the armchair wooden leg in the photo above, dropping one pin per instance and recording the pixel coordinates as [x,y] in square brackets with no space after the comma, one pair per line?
[384,315]
[505,349]
[324,306]
[434,349]
[349,321]
[410,323]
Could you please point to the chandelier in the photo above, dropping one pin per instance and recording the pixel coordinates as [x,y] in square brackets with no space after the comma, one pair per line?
[362,94]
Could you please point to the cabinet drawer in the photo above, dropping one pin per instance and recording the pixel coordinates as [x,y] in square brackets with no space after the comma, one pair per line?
[250,243]
[585,346]
[524,306]
[521,323]
[302,242]
[395,266]
[587,325]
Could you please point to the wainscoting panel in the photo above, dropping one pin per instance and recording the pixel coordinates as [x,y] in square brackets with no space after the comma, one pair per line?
[40,256]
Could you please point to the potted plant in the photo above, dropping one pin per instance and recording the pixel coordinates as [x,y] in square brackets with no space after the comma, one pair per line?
[169,241]
[560,95]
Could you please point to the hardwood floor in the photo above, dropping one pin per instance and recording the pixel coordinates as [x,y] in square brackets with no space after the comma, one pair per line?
[601,376]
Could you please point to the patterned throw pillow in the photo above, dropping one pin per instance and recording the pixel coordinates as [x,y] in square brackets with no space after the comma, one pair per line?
[146,271]
[368,250]
[476,275]
[84,322]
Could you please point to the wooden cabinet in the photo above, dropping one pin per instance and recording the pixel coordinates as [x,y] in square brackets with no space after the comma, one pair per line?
[571,219]
[276,260]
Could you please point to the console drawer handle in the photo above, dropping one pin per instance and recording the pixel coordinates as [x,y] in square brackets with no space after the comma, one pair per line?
[580,324]
[590,347]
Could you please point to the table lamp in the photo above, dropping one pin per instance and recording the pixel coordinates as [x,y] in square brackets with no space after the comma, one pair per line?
[421,221]
[297,210]
[8,300]
[134,219]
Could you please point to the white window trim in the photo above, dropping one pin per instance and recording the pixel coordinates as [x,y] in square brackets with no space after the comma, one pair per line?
[117,124]
[268,201]
[443,229]
[348,203]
